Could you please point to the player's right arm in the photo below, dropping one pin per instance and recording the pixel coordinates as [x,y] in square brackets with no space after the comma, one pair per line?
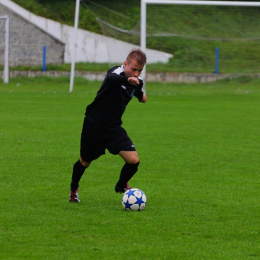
[113,78]
[133,81]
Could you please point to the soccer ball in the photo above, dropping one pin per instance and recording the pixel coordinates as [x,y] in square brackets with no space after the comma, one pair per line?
[134,199]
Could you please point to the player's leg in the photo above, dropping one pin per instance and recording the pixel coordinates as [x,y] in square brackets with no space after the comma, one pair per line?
[130,157]
[78,170]
[128,170]
[91,147]
[121,144]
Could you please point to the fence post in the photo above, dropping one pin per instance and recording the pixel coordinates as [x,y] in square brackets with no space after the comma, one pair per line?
[44,59]
[216,60]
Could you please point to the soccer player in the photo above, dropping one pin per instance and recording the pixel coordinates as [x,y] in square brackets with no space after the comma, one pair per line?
[102,124]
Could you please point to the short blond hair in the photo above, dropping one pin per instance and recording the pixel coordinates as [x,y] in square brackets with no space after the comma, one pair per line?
[138,55]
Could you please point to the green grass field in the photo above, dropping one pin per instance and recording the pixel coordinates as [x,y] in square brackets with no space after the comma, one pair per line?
[199,167]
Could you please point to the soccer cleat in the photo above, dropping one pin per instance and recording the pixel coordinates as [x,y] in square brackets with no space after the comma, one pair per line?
[128,187]
[74,196]
[120,190]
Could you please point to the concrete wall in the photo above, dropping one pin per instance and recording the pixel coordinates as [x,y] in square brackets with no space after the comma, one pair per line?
[91,47]
[26,43]
[151,77]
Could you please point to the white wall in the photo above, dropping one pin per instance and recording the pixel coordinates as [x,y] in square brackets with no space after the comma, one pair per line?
[91,47]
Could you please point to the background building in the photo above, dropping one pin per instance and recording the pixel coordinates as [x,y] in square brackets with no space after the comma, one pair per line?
[29,33]
[26,42]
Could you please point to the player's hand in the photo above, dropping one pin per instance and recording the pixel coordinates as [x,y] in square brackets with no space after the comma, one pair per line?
[133,81]
[144,99]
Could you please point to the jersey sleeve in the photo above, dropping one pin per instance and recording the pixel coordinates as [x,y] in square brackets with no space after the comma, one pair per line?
[115,79]
[139,93]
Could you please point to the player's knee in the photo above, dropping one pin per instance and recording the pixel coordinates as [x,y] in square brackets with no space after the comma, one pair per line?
[134,165]
[133,159]
[85,164]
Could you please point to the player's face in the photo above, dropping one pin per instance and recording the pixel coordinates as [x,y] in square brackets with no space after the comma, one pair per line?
[133,69]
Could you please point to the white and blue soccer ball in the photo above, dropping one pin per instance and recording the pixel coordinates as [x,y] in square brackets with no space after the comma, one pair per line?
[134,199]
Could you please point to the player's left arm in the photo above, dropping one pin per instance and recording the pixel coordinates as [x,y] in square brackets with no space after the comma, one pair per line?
[139,93]
[144,99]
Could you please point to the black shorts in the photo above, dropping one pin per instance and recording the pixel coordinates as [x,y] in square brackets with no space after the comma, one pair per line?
[94,141]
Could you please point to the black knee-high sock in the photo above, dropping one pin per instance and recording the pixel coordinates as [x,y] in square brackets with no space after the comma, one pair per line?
[78,170]
[127,173]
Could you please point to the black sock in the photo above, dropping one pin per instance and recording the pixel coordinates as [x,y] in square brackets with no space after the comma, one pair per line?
[127,173]
[78,170]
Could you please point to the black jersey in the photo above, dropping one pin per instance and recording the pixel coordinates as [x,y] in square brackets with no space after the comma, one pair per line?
[112,98]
